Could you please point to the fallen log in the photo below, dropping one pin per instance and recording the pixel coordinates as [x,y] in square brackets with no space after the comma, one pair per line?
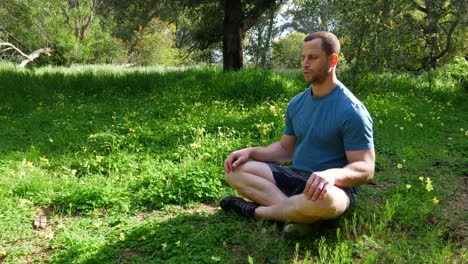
[27,58]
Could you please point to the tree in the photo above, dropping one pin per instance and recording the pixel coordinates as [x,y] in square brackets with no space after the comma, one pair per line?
[441,17]
[260,39]
[155,44]
[72,28]
[308,16]
[287,51]
[240,16]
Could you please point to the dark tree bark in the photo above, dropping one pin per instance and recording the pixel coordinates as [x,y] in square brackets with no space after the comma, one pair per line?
[237,21]
[233,36]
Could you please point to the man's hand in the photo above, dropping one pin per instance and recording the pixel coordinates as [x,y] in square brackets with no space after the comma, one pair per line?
[236,158]
[318,184]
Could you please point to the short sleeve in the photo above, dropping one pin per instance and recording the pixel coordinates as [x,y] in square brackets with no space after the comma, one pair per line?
[288,127]
[357,129]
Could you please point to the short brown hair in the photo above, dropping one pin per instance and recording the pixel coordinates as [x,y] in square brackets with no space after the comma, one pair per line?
[330,43]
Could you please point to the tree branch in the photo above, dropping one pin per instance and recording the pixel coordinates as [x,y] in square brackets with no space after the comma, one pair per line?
[35,55]
[420,8]
[260,6]
[28,58]
[10,36]
[15,48]
[449,40]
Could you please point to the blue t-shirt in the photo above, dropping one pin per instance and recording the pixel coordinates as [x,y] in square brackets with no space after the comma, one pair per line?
[327,126]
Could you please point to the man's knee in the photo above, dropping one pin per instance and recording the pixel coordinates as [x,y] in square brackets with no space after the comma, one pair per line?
[235,175]
[332,205]
[248,169]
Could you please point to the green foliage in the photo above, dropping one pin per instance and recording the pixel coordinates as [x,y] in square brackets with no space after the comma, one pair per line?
[287,51]
[127,167]
[73,29]
[155,44]
[260,39]
[382,35]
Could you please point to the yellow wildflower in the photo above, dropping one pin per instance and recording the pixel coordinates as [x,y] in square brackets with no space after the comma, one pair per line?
[435,200]
[429,186]
[408,186]
[399,166]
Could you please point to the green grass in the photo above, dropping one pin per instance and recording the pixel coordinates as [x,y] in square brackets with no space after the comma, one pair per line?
[127,166]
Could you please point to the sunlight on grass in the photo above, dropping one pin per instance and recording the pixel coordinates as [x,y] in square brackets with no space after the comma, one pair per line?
[117,158]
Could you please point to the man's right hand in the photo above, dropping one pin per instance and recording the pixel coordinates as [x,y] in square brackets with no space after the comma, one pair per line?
[236,158]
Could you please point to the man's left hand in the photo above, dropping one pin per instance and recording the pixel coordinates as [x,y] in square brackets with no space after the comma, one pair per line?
[318,184]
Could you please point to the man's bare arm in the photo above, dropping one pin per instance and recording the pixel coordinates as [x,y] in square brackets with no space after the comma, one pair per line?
[360,170]
[277,152]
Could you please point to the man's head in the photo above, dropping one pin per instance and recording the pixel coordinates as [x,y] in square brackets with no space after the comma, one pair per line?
[330,43]
[320,56]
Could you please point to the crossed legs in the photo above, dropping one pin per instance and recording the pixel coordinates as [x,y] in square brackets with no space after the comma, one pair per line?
[255,181]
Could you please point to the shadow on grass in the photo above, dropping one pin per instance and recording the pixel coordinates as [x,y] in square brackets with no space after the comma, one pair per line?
[196,238]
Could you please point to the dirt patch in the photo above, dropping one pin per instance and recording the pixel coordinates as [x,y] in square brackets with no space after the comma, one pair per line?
[383,186]
[41,254]
[205,209]
[456,213]
[128,254]
[41,218]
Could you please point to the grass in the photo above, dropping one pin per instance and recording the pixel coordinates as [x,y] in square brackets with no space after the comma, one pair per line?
[126,164]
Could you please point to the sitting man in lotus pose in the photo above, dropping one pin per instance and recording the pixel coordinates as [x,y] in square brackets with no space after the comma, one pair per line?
[328,136]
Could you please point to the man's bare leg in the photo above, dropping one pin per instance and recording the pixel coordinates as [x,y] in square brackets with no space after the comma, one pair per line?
[299,209]
[255,181]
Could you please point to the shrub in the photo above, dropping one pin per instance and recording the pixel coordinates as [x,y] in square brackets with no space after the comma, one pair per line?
[155,44]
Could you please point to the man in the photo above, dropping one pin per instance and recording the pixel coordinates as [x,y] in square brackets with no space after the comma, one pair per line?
[328,137]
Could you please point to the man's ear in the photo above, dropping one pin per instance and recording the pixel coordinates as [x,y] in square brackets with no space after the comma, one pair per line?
[333,60]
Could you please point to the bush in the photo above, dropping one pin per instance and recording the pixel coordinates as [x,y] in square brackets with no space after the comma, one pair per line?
[287,51]
[155,44]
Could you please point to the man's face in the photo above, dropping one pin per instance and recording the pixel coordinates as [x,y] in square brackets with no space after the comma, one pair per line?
[315,63]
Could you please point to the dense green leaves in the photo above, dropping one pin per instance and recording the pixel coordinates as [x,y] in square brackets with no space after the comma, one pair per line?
[155,44]
[397,35]
[375,35]
[287,51]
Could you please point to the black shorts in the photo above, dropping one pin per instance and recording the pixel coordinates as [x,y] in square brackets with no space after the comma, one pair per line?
[292,181]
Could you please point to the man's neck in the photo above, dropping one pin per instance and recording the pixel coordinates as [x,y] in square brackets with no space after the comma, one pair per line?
[323,88]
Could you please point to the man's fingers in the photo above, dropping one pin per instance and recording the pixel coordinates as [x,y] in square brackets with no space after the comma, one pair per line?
[307,188]
[310,187]
[324,190]
[317,191]
[227,167]
[228,164]
[239,161]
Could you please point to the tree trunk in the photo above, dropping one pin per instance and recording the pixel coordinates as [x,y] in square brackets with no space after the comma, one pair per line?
[431,33]
[233,36]
[268,39]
